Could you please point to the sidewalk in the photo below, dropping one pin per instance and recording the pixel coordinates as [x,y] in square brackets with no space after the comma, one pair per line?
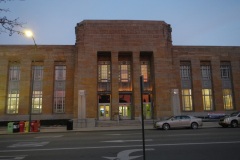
[59,129]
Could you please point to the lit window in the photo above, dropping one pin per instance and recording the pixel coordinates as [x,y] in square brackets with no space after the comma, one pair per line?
[13,89]
[207,86]
[124,76]
[37,72]
[145,70]
[227,99]
[227,85]
[185,72]
[187,100]
[207,99]
[124,69]
[124,73]
[104,72]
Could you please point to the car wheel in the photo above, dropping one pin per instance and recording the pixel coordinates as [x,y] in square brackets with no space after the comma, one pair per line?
[166,126]
[194,125]
[234,124]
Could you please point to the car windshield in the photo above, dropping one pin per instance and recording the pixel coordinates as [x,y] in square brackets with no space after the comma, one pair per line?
[169,118]
[180,117]
[234,114]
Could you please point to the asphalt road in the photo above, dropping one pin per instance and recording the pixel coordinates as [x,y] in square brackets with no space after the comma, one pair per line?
[180,144]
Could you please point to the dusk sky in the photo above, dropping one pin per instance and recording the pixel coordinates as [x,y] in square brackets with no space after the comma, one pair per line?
[194,22]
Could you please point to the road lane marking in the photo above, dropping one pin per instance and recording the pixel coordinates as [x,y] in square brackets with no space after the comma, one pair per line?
[125,155]
[114,134]
[28,144]
[121,146]
[17,141]
[176,135]
[121,141]
[119,134]
[13,157]
[57,136]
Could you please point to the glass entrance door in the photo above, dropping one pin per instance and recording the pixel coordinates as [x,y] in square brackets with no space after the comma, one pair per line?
[147,109]
[104,111]
[125,111]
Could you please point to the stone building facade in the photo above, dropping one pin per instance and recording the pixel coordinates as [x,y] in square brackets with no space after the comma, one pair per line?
[99,77]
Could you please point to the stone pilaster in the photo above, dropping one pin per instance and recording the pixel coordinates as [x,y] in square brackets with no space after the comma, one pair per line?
[25,86]
[115,92]
[48,86]
[196,86]
[69,86]
[235,80]
[136,108]
[217,85]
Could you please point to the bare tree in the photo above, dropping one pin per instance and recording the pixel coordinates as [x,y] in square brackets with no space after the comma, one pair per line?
[9,25]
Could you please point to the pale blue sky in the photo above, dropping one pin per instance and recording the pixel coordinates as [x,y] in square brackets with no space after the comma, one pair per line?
[194,22]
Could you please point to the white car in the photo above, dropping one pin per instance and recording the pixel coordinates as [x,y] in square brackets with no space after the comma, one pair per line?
[179,122]
[232,120]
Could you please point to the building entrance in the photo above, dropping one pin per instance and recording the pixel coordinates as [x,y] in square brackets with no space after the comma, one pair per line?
[104,107]
[124,111]
[104,111]
[147,110]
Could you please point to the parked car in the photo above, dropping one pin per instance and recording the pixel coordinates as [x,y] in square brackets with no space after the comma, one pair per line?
[179,122]
[232,120]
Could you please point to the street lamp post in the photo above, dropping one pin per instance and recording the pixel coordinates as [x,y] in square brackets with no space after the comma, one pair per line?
[142,115]
[29,34]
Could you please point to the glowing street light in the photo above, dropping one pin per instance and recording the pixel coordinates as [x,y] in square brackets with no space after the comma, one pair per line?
[29,33]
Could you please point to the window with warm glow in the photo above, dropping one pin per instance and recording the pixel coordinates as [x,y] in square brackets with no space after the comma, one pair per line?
[13,89]
[37,72]
[227,99]
[124,72]
[104,72]
[187,99]
[145,70]
[207,99]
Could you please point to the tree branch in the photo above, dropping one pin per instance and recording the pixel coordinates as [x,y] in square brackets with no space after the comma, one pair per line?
[7,25]
[10,25]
